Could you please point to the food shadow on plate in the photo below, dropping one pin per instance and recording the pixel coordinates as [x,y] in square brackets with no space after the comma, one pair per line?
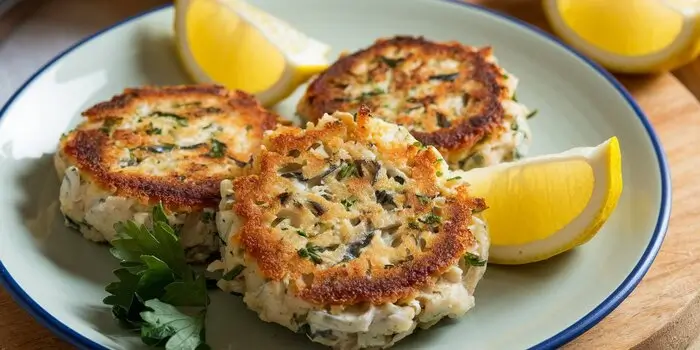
[244,330]
[509,281]
[158,58]
[66,248]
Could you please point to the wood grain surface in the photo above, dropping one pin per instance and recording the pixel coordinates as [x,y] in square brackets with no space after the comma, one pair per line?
[662,313]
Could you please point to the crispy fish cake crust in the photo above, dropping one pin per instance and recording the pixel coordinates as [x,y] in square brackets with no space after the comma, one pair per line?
[172,144]
[351,216]
[447,94]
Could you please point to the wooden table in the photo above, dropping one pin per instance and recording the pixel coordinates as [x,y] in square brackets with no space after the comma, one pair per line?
[662,313]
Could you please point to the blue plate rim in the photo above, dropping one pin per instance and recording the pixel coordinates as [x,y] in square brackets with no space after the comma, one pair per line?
[555,341]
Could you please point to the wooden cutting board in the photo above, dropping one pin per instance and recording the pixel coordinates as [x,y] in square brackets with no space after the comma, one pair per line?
[662,313]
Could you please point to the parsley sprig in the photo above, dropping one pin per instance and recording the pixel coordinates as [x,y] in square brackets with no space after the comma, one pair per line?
[157,292]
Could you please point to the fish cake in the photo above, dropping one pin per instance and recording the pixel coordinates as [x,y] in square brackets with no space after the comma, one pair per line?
[449,95]
[172,144]
[352,232]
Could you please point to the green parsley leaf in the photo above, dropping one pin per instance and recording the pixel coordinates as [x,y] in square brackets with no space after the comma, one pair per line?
[154,274]
[182,331]
[454,178]
[302,233]
[474,260]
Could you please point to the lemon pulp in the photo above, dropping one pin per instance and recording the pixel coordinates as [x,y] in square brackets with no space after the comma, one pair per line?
[555,185]
[624,27]
[244,47]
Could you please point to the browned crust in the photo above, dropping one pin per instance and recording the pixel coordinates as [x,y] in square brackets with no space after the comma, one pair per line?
[191,188]
[358,280]
[324,92]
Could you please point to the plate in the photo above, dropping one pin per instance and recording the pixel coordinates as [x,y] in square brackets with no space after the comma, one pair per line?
[59,277]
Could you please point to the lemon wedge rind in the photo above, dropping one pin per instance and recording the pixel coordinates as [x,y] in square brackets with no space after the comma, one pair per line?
[683,49]
[304,56]
[606,164]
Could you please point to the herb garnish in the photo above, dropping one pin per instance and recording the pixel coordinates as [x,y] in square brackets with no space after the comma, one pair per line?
[217,150]
[302,233]
[391,62]
[180,120]
[419,144]
[108,124]
[531,114]
[431,219]
[348,202]
[423,199]
[444,77]
[474,260]
[153,130]
[157,292]
[454,178]
[347,170]
[311,252]
[231,275]
[375,92]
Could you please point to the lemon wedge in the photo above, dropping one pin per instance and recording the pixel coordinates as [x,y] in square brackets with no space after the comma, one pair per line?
[234,44]
[629,36]
[545,205]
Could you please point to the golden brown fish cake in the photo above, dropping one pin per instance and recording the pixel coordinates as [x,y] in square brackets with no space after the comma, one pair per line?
[172,144]
[449,95]
[349,213]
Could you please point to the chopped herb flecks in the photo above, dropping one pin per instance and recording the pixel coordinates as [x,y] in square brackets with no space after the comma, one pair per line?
[180,120]
[474,260]
[431,219]
[531,114]
[348,202]
[108,124]
[423,199]
[153,130]
[217,150]
[347,170]
[391,62]
[454,178]
[311,252]
[229,276]
[445,77]
[375,92]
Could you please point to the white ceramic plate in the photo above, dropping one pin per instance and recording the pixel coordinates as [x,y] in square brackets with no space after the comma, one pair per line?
[59,277]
